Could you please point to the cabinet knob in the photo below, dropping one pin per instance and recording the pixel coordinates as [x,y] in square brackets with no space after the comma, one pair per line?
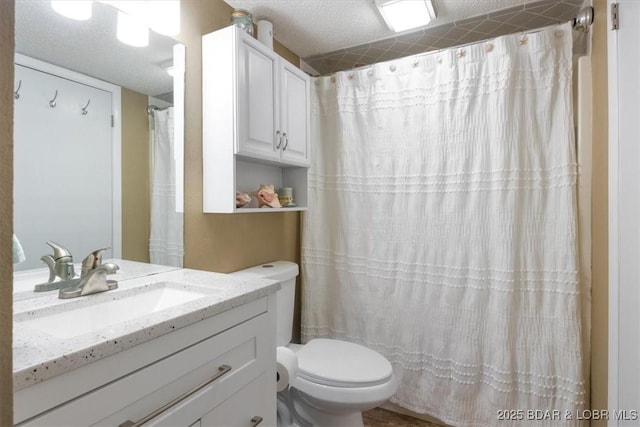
[255,421]
[279,139]
[286,141]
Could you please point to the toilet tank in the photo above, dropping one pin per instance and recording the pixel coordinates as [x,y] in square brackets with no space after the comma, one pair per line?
[284,272]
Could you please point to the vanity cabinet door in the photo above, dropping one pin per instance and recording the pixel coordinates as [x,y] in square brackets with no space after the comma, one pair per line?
[243,358]
[250,406]
[294,115]
[258,135]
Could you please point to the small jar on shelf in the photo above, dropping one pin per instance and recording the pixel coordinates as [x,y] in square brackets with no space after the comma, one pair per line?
[242,18]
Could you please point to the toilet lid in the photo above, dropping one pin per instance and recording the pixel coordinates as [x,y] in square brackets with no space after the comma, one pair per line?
[342,364]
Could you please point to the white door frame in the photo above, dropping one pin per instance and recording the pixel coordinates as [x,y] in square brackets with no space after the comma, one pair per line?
[624,214]
[45,67]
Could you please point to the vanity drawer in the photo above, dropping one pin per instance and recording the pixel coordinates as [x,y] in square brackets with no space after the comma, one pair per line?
[246,407]
[244,348]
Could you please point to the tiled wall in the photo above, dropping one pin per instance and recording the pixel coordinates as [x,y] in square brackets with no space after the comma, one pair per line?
[507,21]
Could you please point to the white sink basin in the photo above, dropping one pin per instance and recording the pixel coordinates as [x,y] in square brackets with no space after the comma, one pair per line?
[99,311]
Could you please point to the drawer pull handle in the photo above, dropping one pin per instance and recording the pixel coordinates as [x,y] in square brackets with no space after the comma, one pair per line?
[279,138]
[222,370]
[255,421]
[286,141]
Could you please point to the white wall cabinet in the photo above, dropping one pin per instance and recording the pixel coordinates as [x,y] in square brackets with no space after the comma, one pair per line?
[255,121]
[219,371]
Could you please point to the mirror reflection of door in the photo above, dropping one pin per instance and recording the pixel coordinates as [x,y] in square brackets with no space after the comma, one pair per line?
[62,166]
[91,49]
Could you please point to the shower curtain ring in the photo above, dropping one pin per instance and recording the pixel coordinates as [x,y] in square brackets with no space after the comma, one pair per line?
[84,109]
[16,94]
[52,103]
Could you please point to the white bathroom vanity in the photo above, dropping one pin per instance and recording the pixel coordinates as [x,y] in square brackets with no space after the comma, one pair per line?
[174,348]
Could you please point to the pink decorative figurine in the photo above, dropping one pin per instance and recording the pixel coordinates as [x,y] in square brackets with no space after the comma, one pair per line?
[267,196]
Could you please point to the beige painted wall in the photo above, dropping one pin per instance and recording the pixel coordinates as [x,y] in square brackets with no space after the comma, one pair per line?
[286,53]
[6,209]
[599,215]
[136,208]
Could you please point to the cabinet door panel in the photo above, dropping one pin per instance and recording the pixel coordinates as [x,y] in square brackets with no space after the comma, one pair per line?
[239,410]
[295,115]
[257,106]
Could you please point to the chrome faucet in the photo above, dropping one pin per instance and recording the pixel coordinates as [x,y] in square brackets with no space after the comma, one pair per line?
[60,266]
[93,278]
[91,261]
[60,263]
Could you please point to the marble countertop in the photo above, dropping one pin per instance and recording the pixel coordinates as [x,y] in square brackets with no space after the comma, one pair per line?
[38,356]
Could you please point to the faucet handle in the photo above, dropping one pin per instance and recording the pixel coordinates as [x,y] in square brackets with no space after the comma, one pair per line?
[48,259]
[59,251]
[60,263]
[93,260]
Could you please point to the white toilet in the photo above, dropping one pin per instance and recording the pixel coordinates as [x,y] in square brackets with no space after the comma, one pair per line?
[336,380]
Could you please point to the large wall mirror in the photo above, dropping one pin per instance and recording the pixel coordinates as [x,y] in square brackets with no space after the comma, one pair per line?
[98,138]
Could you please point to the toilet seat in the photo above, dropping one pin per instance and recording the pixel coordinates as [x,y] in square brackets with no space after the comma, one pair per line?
[339,377]
[342,364]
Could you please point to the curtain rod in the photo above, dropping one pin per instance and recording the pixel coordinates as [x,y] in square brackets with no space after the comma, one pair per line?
[583,19]
[151,108]
[581,22]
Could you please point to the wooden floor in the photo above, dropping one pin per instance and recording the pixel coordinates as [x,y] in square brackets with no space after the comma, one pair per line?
[382,418]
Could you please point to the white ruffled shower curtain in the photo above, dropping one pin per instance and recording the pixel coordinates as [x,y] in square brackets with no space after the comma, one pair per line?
[166,245]
[442,228]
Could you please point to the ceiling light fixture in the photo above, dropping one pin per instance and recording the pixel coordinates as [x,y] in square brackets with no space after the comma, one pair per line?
[135,17]
[162,16]
[131,31]
[402,15]
[80,10]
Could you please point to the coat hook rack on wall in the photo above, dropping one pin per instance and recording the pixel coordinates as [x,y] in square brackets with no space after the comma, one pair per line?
[52,103]
[16,94]
[84,109]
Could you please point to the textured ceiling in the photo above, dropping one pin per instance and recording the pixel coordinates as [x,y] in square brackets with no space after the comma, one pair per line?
[91,47]
[313,27]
